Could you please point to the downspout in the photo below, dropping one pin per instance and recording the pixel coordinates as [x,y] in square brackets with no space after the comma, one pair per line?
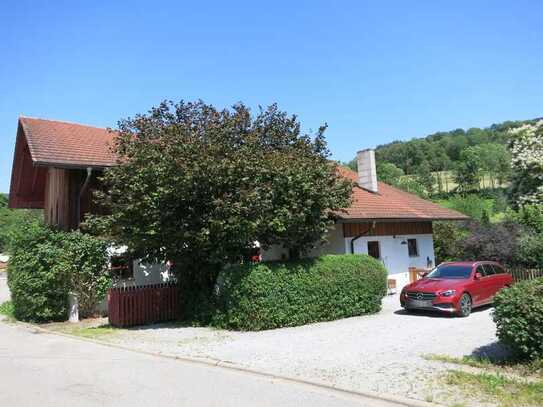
[82,191]
[361,235]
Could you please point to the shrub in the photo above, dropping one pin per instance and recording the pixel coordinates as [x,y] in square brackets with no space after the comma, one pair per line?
[38,288]
[448,238]
[518,314]
[495,241]
[472,205]
[47,264]
[6,309]
[274,295]
[84,261]
[530,250]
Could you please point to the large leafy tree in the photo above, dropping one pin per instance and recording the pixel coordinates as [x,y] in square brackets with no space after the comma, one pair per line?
[199,186]
[467,173]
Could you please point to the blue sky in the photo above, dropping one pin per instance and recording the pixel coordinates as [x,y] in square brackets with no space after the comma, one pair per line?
[374,71]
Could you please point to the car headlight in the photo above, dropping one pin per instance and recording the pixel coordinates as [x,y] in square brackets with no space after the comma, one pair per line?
[448,293]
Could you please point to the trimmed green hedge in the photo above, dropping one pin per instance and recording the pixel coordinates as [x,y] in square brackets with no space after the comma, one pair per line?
[518,313]
[46,264]
[271,295]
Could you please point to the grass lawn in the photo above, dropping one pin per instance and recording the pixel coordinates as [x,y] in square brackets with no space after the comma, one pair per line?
[92,328]
[506,392]
[508,383]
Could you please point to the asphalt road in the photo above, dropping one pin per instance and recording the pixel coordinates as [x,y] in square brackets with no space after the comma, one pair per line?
[40,369]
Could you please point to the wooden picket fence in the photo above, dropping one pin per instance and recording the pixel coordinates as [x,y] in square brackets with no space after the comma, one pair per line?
[521,274]
[143,305]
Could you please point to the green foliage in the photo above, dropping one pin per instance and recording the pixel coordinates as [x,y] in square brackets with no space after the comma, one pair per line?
[448,238]
[219,181]
[472,205]
[7,310]
[495,161]
[527,164]
[389,173]
[47,264]
[530,216]
[493,241]
[497,388]
[443,149]
[84,260]
[11,220]
[530,250]
[273,295]
[425,177]
[38,288]
[457,150]
[518,313]
[412,186]
[467,172]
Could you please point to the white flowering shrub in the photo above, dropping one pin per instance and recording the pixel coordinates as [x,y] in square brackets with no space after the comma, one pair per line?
[527,163]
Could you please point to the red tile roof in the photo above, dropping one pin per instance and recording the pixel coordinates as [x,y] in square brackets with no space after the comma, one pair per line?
[67,144]
[391,203]
[59,143]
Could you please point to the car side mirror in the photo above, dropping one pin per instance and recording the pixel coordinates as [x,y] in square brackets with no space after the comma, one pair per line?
[478,276]
[424,274]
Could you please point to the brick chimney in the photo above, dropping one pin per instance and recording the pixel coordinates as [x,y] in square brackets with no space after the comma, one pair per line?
[367,173]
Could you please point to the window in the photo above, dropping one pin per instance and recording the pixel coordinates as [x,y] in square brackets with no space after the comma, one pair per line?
[480,270]
[412,248]
[498,269]
[450,271]
[373,249]
[489,269]
[122,267]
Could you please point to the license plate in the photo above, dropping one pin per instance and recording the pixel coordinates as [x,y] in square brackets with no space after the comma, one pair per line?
[420,303]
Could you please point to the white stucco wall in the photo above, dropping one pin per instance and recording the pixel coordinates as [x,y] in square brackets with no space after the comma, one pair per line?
[335,245]
[146,274]
[395,256]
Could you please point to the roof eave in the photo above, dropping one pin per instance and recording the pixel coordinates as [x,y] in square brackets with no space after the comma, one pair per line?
[71,165]
[347,219]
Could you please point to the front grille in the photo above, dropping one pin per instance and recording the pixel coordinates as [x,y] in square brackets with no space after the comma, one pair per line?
[416,295]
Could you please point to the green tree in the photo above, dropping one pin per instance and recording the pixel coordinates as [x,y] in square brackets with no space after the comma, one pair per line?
[198,186]
[495,161]
[424,176]
[467,173]
[389,173]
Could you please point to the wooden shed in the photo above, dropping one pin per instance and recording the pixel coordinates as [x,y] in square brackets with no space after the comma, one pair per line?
[56,167]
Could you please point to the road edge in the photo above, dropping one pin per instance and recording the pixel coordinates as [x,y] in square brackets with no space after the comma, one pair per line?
[404,401]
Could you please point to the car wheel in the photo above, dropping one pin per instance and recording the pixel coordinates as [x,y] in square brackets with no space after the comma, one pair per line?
[465,305]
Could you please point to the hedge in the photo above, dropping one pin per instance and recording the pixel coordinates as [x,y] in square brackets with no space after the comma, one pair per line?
[271,295]
[46,264]
[518,313]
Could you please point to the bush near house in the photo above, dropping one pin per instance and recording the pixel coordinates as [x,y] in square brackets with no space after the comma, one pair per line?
[274,295]
[47,264]
[518,315]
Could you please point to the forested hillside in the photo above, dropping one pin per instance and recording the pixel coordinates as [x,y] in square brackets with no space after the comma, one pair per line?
[462,160]
[494,175]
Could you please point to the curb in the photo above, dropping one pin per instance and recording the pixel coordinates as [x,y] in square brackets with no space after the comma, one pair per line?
[403,401]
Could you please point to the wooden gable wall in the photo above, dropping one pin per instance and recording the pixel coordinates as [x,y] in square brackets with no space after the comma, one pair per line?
[387,228]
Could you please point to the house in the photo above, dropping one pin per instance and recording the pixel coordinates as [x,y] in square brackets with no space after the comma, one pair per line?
[56,167]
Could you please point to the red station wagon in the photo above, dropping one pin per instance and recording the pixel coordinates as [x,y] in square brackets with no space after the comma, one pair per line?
[456,287]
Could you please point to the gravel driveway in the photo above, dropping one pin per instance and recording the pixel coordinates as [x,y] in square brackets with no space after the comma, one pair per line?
[381,353]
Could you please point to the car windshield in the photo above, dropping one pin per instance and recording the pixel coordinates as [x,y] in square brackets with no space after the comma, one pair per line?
[450,271]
